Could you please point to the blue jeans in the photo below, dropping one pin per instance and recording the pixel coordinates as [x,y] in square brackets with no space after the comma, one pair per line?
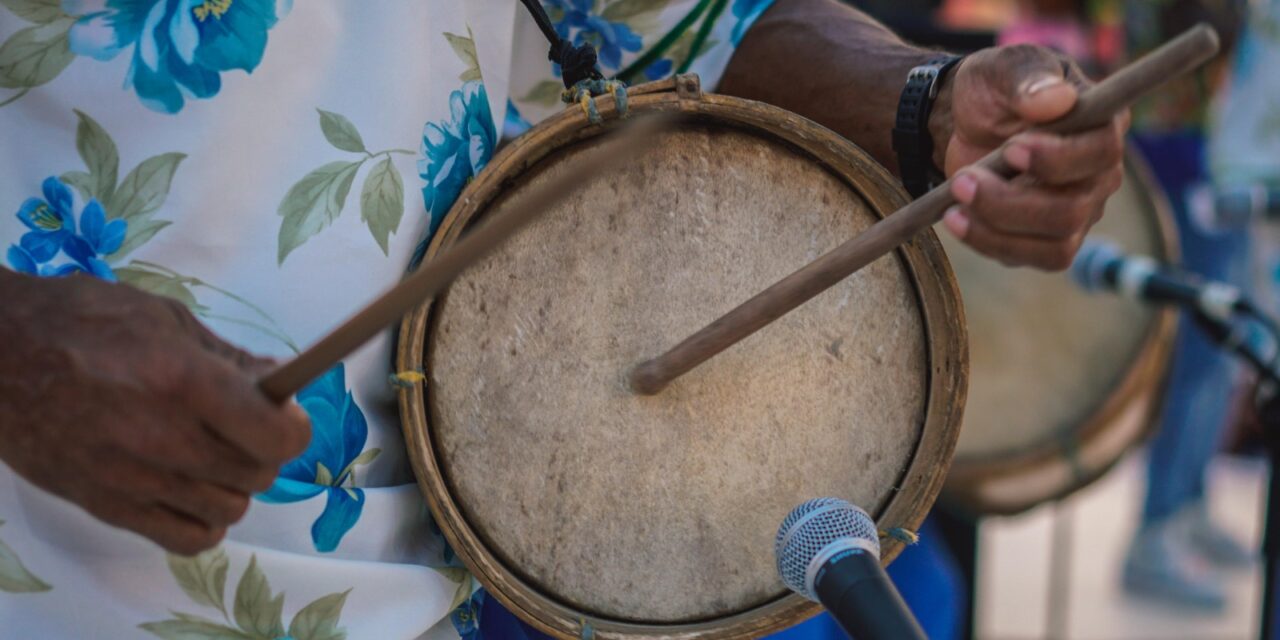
[925,574]
[1202,376]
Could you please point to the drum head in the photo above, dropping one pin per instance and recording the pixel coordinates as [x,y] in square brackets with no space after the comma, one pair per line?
[576,500]
[1063,379]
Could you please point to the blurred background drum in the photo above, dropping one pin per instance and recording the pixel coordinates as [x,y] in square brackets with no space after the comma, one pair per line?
[1063,382]
[590,511]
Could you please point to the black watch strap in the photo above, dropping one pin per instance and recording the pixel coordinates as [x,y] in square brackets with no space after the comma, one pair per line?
[911,140]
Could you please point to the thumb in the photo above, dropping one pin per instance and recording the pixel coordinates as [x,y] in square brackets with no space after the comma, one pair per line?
[1043,95]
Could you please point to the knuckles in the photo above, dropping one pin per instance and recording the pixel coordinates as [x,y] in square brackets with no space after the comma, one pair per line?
[191,543]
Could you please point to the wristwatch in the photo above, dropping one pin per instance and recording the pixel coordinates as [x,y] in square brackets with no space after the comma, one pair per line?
[911,140]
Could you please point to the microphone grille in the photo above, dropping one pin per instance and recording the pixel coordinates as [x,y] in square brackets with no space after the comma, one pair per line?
[812,527]
[1089,267]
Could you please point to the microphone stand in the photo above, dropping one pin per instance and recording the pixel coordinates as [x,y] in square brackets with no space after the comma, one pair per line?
[1226,336]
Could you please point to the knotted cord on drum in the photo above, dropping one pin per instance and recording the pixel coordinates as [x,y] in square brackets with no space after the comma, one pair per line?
[407,379]
[588,632]
[584,94]
[905,536]
[583,82]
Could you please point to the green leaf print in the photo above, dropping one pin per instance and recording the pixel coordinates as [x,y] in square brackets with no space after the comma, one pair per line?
[315,201]
[640,15]
[319,620]
[382,202]
[202,577]
[37,11]
[255,610]
[98,151]
[627,10]
[14,577]
[545,93]
[145,188]
[340,133]
[465,48]
[35,55]
[193,629]
[82,182]
[137,235]
[313,204]
[159,283]
[258,615]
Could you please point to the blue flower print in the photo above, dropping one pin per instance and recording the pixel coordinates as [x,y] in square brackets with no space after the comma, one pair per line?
[746,11]
[51,226]
[338,433]
[660,69]
[466,618]
[454,151]
[577,23]
[179,46]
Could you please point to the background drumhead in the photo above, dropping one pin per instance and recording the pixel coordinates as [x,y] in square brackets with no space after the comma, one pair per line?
[1050,359]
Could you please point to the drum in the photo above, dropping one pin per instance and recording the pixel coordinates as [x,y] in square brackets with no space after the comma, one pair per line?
[1064,382]
[590,511]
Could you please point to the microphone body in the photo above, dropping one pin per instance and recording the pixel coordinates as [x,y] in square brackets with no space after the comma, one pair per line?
[829,551]
[856,590]
[1100,265]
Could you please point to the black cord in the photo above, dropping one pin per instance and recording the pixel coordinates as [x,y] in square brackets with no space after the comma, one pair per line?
[577,63]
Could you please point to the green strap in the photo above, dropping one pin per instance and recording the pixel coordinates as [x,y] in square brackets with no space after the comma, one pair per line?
[660,49]
[703,33]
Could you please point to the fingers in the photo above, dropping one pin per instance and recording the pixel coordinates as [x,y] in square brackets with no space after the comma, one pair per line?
[231,406]
[178,513]
[179,445]
[175,532]
[1064,160]
[1023,222]
[1038,85]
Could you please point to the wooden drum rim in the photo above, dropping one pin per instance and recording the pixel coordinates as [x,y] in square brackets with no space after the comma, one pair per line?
[938,299]
[1138,394]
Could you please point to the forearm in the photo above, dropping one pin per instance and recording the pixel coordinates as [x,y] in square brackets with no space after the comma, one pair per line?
[835,65]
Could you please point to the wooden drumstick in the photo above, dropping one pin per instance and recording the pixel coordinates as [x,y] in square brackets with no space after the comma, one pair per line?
[433,276]
[1095,107]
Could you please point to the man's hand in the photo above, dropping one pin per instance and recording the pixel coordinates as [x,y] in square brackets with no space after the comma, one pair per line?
[1041,217]
[124,404]
[833,64]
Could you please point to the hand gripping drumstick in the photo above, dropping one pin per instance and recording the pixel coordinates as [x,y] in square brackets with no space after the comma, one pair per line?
[1094,108]
[433,276]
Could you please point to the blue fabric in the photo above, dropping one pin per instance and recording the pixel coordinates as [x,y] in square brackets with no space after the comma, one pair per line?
[1202,376]
[926,575]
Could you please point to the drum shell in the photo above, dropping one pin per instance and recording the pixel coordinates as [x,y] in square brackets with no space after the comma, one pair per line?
[1065,461]
[935,291]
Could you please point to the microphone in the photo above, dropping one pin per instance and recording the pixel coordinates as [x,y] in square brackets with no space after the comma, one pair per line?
[1101,265]
[828,551]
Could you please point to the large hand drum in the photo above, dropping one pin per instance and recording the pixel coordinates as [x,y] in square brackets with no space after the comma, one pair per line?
[1064,382]
[594,512]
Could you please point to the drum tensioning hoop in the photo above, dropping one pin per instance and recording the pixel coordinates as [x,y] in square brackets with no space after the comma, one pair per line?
[591,511]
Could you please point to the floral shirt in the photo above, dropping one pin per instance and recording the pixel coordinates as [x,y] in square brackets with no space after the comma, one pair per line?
[274,167]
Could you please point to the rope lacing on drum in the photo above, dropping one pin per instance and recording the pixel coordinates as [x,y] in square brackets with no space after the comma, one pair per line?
[583,82]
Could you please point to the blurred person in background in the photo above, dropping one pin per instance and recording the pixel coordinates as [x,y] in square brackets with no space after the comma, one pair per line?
[1244,142]
[1177,547]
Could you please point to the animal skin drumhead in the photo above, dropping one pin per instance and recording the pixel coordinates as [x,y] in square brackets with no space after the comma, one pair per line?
[663,509]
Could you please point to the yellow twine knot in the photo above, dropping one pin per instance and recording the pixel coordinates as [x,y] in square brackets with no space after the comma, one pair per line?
[407,379]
